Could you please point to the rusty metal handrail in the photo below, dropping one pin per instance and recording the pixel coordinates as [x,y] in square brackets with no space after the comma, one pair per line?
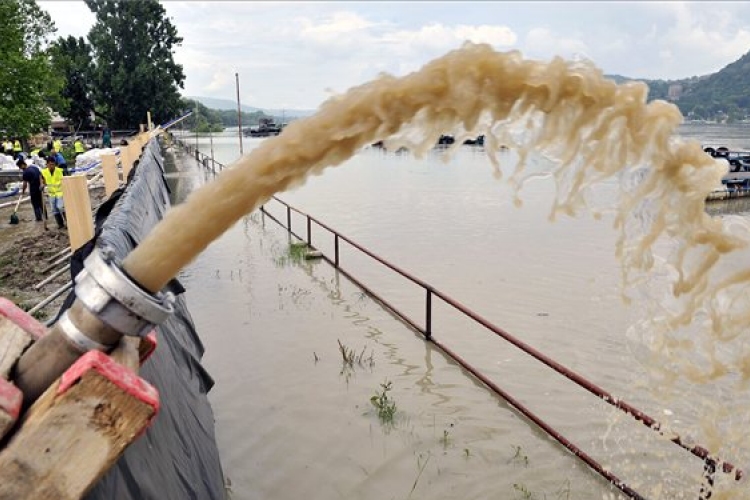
[699,451]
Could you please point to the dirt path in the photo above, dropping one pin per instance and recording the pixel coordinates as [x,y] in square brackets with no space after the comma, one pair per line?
[24,252]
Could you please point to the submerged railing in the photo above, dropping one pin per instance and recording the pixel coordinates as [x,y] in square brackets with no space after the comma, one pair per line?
[711,464]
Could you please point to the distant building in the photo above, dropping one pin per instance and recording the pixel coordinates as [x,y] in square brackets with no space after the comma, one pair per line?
[674,92]
[58,123]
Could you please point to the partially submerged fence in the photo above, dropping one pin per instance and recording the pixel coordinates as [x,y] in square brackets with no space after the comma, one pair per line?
[711,464]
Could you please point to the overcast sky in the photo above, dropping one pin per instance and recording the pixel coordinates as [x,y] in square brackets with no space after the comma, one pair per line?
[294,54]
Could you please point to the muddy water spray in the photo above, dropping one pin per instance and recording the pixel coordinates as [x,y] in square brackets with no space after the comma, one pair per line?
[597,130]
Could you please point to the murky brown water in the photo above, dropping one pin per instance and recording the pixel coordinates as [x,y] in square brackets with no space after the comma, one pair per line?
[289,425]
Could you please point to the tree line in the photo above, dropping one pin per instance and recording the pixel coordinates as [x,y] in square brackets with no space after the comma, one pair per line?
[122,69]
[204,119]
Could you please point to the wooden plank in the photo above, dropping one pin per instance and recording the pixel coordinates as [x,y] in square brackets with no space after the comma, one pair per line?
[17,331]
[76,431]
[78,210]
[135,149]
[13,342]
[11,400]
[109,171]
[126,161]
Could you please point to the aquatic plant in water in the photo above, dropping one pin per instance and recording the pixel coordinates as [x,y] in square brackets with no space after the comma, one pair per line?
[384,404]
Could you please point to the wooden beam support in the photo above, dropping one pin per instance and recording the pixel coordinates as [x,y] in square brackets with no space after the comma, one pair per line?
[17,331]
[78,210]
[76,430]
[11,400]
[109,172]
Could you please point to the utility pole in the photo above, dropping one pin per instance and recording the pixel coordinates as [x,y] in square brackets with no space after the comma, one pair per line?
[239,110]
[211,138]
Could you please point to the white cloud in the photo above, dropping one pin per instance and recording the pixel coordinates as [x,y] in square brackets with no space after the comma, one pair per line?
[289,53]
[443,37]
[70,18]
[340,27]
[545,44]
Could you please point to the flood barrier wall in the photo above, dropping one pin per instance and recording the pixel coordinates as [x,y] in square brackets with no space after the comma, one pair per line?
[177,458]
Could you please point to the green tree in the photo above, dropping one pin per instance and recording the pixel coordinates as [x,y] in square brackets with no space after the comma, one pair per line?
[135,72]
[28,85]
[71,58]
[203,119]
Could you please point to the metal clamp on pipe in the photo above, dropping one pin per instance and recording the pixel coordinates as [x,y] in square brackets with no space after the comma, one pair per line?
[116,300]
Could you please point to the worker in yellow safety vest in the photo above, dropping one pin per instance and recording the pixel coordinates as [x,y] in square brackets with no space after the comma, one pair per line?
[57,145]
[52,180]
[17,148]
[78,147]
[8,147]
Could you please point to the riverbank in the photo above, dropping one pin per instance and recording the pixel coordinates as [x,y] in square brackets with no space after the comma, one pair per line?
[25,250]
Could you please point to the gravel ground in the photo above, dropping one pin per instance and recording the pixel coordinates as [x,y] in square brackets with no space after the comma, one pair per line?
[25,250]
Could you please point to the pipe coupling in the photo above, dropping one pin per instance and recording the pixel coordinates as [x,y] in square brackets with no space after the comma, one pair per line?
[116,300]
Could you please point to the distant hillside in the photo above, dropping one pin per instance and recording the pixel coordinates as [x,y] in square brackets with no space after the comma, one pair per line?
[726,93]
[721,96]
[226,104]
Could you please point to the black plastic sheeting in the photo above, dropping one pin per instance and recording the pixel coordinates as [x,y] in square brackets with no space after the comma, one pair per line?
[177,457]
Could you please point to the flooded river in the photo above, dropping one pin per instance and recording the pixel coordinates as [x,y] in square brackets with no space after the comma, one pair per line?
[294,421]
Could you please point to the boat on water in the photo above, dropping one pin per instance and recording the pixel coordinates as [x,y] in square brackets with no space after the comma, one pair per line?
[738,175]
[736,182]
[446,140]
[265,128]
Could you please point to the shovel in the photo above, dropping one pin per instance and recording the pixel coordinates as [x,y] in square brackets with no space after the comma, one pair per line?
[44,211]
[14,216]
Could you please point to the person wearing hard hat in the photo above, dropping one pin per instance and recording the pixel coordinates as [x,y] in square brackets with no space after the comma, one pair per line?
[52,179]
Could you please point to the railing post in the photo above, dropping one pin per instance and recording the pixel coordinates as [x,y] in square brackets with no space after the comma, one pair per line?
[336,250]
[309,234]
[709,470]
[428,315]
[288,218]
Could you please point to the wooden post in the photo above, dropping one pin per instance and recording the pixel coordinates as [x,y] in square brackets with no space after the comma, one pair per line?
[109,172]
[78,210]
[126,162]
[148,119]
[135,150]
[143,127]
